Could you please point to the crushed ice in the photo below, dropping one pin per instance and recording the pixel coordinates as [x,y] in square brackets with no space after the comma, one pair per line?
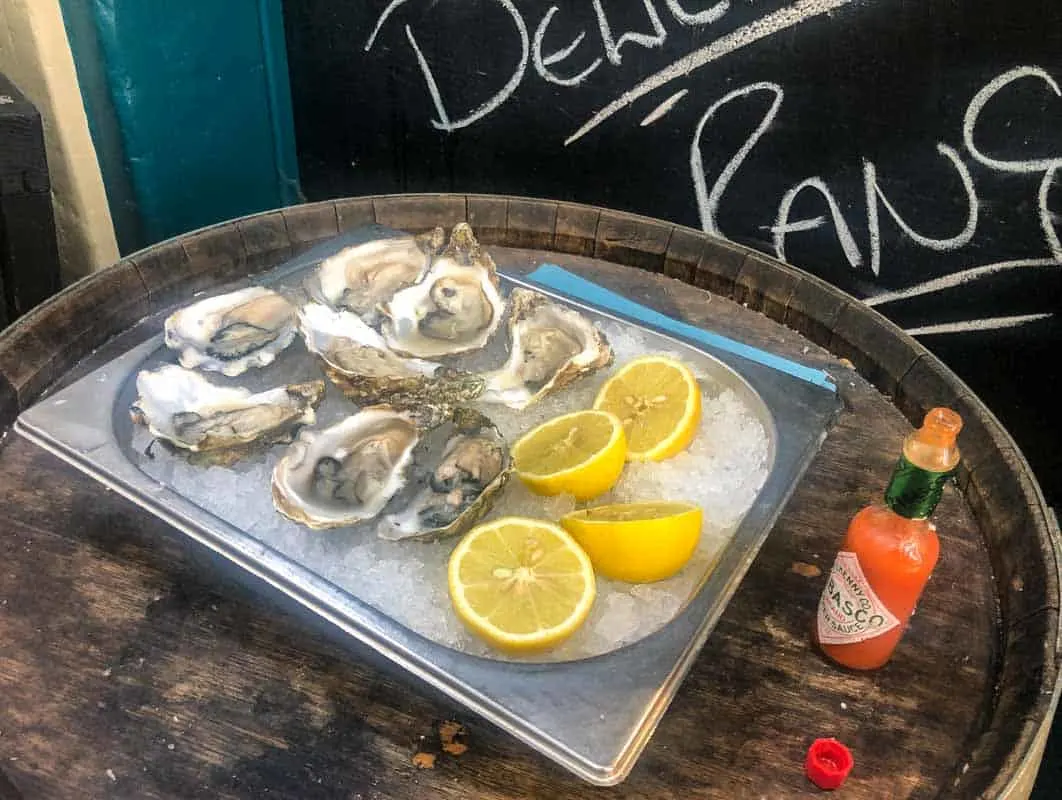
[722,472]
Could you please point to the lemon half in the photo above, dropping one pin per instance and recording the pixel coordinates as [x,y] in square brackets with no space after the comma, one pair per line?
[659,402]
[581,454]
[637,542]
[523,585]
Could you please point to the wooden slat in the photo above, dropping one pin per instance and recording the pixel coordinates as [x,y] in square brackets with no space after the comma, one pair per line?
[489,218]
[57,334]
[265,240]
[576,229]
[309,224]
[633,241]
[813,309]
[718,267]
[1023,562]
[166,273]
[420,212]
[994,759]
[927,384]
[763,286]
[683,254]
[27,363]
[877,347]
[531,223]
[354,213]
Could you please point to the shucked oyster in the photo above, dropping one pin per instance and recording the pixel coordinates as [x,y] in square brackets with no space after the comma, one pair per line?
[456,479]
[346,473]
[357,360]
[232,332]
[455,307]
[183,408]
[359,278]
[551,345]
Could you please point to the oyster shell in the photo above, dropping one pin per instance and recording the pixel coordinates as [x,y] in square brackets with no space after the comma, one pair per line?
[455,307]
[232,332]
[359,278]
[356,359]
[456,482]
[344,474]
[551,345]
[184,408]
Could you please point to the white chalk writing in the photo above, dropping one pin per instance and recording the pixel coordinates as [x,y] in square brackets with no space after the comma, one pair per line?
[708,200]
[566,57]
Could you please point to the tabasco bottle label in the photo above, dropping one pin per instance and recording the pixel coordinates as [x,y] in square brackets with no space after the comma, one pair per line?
[849,611]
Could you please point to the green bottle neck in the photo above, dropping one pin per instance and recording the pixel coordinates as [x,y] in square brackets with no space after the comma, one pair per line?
[913,492]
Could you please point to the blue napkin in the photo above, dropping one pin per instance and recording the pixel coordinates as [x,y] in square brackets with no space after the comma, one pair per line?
[566,283]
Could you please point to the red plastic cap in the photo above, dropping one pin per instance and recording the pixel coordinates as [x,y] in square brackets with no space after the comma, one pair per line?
[828,763]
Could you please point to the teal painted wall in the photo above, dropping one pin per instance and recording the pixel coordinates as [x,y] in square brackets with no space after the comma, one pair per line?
[189,107]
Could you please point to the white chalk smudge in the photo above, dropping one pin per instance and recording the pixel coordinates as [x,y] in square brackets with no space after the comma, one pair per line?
[958,279]
[987,324]
[742,37]
[663,108]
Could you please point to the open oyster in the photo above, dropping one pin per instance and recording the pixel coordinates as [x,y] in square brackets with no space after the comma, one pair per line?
[455,307]
[184,408]
[344,474]
[360,278]
[464,466]
[232,332]
[357,360]
[550,346]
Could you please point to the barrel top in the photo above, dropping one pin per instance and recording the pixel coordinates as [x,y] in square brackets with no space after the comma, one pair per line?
[137,664]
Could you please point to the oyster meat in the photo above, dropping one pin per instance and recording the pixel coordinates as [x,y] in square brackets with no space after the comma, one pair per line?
[360,278]
[344,474]
[551,345]
[233,332]
[454,308]
[356,358]
[185,409]
[456,480]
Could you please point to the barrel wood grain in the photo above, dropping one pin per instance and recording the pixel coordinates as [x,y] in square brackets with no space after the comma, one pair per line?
[264,239]
[308,225]
[718,267]
[576,231]
[278,706]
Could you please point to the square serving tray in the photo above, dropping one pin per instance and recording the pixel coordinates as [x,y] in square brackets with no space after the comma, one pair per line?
[593,716]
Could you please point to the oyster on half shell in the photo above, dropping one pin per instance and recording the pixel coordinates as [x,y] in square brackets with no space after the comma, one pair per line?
[361,277]
[551,345]
[230,333]
[455,307]
[344,474]
[465,464]
[185,409]
[356,359]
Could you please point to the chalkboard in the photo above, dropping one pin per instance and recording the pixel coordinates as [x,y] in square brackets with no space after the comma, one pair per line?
[904,150]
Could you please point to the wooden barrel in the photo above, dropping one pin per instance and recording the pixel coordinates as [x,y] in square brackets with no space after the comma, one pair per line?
[961,712]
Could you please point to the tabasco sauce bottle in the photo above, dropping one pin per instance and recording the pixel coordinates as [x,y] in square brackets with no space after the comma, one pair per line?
[889,552]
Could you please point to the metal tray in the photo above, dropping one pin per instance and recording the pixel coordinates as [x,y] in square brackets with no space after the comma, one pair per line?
[593,716]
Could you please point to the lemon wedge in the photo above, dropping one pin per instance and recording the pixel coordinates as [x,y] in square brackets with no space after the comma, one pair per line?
[659,402]
[523,585]
[637,542]
[581,454]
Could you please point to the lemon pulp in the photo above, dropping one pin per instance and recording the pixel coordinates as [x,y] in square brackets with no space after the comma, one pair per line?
[522,585]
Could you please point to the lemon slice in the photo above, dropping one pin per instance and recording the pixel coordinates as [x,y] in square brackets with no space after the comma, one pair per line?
[581,454]
[523,585]
[659,402]
[637,542]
